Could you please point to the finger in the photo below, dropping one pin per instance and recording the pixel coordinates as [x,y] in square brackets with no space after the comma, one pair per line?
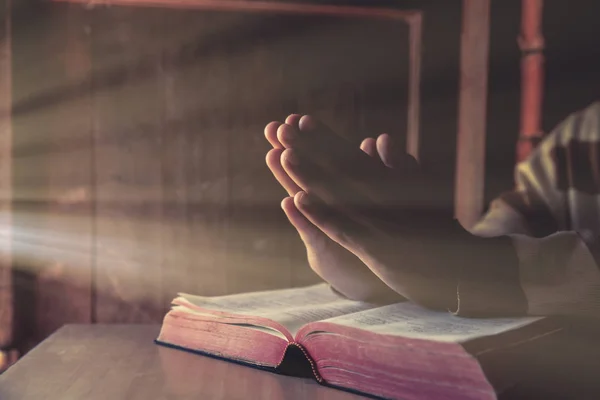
[273,160]
[341,158]
[338,226]
[287,135]
[369,146]
[304,227]
[384,145]
[334,263]
[309,123]
[409,190]
[271,134]
[393,156]
[293,120]
[335,190]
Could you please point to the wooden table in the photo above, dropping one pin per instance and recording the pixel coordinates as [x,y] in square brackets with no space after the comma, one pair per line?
[122,362]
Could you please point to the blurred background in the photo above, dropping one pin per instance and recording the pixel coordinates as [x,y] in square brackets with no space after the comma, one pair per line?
[134,166]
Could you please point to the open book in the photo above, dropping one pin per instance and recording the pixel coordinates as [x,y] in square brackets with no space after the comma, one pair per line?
[391,351]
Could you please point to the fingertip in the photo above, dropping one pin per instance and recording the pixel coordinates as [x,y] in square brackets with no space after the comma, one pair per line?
[273,157]
[383,140]
[384,135]
[298,198]
[287,202]
[307,123]
[293,120]
[302,200]
[394,156]
[384,149]
[295,216]
[274,160]
[271,133]
[271,125]
[286,135]
[368,146]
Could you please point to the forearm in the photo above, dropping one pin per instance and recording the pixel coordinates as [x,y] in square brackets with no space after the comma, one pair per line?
[559,274]
[523,261]
[454,270]
[507,275]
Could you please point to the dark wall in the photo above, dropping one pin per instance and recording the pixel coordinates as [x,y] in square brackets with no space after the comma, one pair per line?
[139,154]
[504,87]
[152,121]
[572,58]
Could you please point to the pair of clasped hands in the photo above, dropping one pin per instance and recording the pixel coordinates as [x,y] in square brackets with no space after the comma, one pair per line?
[354,209]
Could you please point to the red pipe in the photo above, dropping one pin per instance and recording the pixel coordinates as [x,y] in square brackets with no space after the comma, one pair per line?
[531,43]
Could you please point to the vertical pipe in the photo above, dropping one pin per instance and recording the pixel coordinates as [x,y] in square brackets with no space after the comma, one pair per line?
[531,43]
[470,152]
[6,159]
[414,79]
[8,355]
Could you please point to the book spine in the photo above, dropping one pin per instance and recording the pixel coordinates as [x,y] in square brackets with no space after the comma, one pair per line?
[313,365]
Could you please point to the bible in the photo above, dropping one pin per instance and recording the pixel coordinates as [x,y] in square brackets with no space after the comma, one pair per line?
[388,351]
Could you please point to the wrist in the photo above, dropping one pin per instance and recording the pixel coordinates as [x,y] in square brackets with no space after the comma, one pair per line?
[468,275]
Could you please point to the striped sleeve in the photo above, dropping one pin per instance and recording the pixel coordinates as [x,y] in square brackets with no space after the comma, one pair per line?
[557,270]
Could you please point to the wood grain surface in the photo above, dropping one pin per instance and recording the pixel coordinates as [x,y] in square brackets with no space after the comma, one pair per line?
[121,362]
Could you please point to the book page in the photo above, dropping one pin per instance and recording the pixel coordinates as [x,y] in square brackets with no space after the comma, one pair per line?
[412,321]
[292,308]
